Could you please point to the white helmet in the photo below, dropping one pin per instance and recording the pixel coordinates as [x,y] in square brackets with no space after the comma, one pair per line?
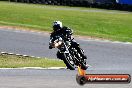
[57,25]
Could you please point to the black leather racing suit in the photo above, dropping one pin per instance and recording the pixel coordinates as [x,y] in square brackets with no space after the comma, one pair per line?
[66,33]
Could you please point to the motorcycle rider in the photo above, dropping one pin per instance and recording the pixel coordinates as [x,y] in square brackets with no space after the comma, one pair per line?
[66,32]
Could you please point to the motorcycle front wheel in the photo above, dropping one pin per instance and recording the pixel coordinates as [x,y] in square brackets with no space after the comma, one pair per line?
[68,60]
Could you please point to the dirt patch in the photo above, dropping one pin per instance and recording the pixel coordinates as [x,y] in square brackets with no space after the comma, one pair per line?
[23,29]
[48,33]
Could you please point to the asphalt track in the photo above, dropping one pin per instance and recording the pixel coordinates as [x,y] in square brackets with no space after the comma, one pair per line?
[104,57]
[30,78]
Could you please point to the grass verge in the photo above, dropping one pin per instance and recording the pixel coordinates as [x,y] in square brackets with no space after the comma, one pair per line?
[12,61]
[113,25]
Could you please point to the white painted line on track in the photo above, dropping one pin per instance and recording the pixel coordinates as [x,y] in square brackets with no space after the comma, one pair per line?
[10,53]
[25,55]
[3,52]
[105,41]
[35,68]
[38,57]
[32,56]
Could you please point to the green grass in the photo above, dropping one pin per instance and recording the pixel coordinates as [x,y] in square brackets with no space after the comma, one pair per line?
[116,25]
[12,61]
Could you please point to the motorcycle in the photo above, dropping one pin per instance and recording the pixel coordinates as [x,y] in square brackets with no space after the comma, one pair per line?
[67,53]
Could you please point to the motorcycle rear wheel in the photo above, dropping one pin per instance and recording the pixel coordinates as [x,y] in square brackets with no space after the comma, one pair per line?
[83,66]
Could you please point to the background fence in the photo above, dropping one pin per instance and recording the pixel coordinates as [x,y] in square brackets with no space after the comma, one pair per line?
[107,4]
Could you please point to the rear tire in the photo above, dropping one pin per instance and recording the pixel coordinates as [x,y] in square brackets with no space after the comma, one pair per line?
[83,66]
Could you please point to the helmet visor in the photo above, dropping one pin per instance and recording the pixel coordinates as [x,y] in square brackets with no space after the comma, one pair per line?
[56,27]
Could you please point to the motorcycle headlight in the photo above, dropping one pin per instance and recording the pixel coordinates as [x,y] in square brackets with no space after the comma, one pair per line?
[58,43]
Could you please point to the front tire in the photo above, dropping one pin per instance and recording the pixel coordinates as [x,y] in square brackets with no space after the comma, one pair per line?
[81,63]
[68,61]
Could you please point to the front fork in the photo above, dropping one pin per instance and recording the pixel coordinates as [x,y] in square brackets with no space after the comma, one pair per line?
[63,49]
